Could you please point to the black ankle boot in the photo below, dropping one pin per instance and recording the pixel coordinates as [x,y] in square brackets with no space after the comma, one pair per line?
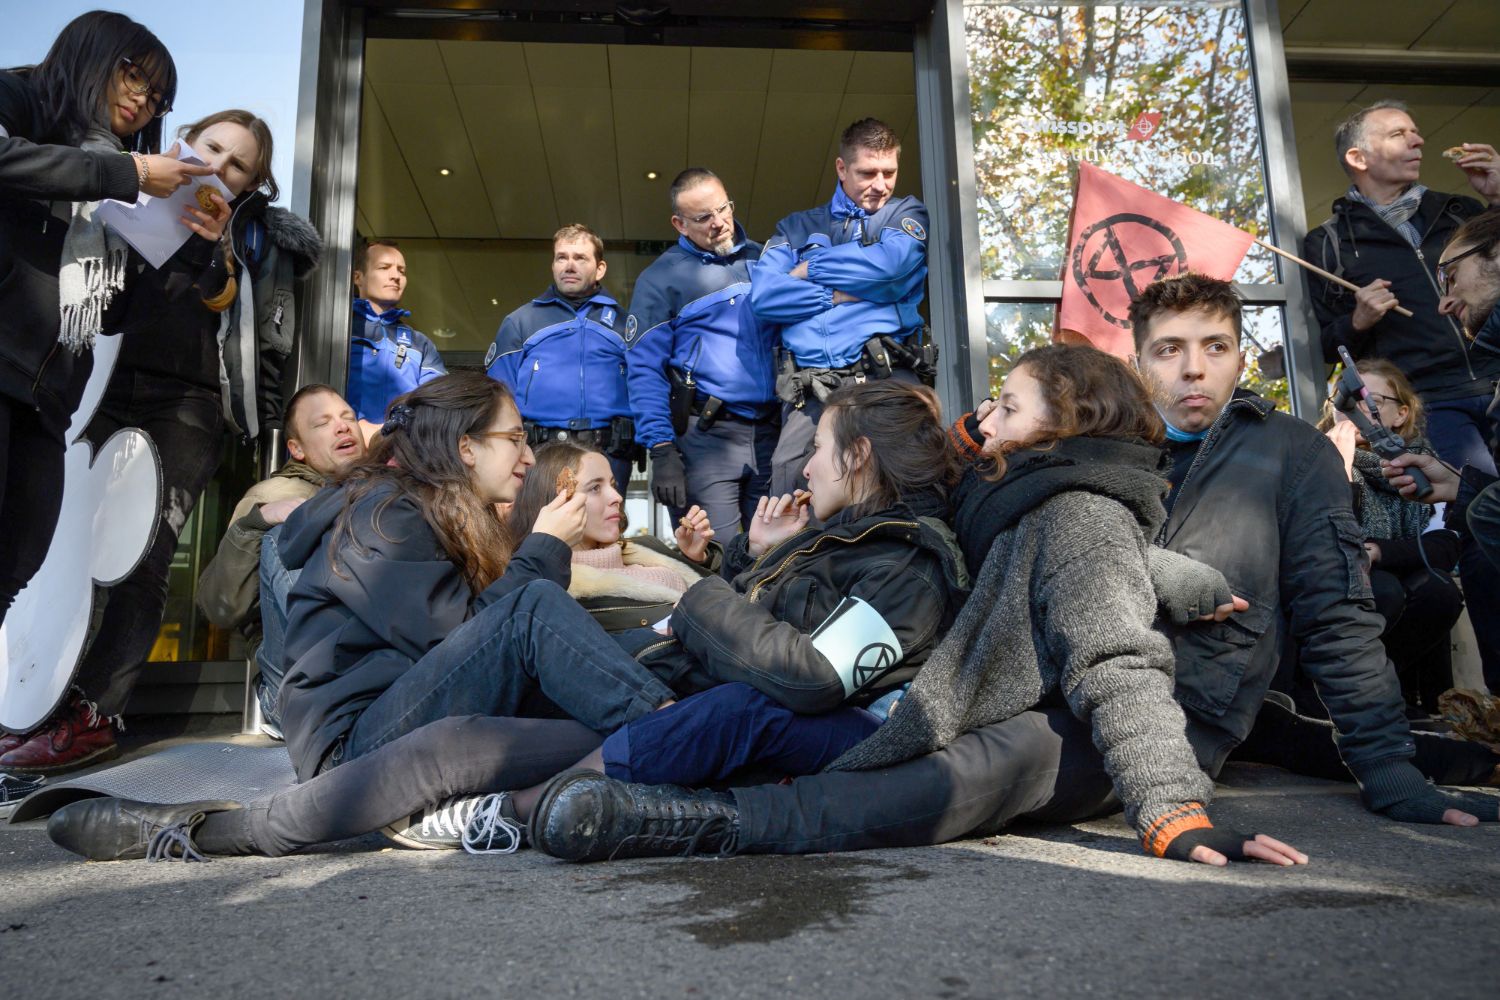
[122,830]
[584,816]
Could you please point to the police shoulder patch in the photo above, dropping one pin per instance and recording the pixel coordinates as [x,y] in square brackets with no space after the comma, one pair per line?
[630,327]
[607,317]
[914,229]
[489,356]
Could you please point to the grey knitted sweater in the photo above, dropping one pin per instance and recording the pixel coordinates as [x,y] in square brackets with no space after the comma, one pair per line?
[1063,600]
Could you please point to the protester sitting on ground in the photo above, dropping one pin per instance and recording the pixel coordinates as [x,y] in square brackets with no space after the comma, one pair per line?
[623,582]
[880,477]
[323,441]
[1052,657]
[1411,554]
[1260,496]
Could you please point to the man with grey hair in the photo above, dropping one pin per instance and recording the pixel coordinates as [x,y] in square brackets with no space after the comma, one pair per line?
[699,364]
[1386,236]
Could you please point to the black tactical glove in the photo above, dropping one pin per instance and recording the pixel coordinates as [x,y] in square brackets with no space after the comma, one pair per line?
[668,479]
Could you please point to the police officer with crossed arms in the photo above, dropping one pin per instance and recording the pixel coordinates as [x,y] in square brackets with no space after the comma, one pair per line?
[841,284]
[563,358]
[386,357]
[702,383]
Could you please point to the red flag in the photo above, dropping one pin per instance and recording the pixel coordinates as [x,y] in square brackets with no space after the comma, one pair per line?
[1122,238]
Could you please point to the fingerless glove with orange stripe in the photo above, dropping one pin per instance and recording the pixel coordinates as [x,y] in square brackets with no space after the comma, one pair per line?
[1175,833]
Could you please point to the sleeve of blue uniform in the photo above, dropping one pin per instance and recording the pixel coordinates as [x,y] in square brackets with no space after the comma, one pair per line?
[778,299]
[432,363]
[879,272]
[646,357]
[506,366]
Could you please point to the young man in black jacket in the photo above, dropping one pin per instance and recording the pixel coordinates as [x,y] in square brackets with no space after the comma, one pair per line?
[1386,235]
[1257,494]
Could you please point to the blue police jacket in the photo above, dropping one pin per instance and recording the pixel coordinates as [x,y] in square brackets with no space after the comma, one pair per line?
[565,363]
[691,310]
[386,358]
[880,259]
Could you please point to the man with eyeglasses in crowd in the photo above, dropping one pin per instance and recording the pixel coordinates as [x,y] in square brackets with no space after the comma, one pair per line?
[1386,235]
[563,357]
[702,383]
[1469,274]
[841,284]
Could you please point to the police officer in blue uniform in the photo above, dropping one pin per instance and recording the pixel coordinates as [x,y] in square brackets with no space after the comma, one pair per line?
[563,356]
[702,379]
[841,284]
[386,357]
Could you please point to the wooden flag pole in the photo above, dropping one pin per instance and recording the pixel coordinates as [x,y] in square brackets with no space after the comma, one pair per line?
[1315,269]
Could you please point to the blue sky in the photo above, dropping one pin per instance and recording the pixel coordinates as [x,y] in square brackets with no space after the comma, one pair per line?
[249,60]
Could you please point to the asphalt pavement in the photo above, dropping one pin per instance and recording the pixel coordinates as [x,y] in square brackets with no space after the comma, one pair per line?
[1383,910]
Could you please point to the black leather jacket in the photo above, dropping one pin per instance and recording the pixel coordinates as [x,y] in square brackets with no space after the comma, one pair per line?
[1429,348]
[1266,503]
[754,623]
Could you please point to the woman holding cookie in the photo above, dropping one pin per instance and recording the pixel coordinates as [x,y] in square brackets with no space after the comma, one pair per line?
[624,583]
[202,353]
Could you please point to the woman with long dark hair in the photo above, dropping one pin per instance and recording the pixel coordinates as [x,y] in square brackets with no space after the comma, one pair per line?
[81,126]
[200,353]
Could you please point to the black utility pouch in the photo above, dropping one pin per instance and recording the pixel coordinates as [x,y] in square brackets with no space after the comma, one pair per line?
[680,400]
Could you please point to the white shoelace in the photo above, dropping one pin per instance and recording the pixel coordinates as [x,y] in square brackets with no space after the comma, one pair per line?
[449,818]
[488,823]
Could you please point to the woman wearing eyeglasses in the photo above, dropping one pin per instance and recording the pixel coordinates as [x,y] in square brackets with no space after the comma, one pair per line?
[1411,555]
[80,126]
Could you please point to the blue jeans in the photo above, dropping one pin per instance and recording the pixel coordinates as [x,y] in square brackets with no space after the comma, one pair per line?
[275,583]
[1460,432]
[707,737]
[534,641]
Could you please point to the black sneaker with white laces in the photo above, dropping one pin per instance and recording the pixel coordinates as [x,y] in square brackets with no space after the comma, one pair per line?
[480,824]
[584,816]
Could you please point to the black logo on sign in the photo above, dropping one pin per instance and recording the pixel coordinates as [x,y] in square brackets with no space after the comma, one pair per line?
[1108,277]
[872,663]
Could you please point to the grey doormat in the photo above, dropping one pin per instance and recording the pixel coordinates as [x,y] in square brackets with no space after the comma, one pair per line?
[182,773]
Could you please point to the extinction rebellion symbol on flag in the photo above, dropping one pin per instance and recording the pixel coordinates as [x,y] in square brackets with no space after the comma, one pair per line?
[1100,258]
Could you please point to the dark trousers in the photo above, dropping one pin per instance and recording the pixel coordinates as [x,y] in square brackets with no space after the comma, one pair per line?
[706,737]
[534,646]
[31,489]
[462,755]
[275,584]
[1419,610]
[1460,432]
[728,470]
[1039,766]
[1479,568]
[185,424]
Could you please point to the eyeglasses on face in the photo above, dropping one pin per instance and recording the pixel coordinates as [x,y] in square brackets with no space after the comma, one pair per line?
[138,83]
[1381,399]
[726,210]
[514,437]
[1445,267]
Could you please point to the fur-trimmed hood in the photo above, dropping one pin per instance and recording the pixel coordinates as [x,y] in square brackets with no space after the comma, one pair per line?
[589,582]
[295,235]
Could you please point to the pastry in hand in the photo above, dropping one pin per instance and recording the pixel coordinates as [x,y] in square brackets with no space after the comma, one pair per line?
[567,483]
[1455,153]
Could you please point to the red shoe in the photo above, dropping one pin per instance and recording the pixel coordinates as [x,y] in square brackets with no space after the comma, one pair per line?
[9,741]
[76,736]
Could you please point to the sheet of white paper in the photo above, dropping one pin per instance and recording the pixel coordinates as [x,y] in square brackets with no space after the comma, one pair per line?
[661,626]
[153,225]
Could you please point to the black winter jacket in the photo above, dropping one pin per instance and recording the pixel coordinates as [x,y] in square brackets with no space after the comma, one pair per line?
[1265,502]
[273,249]
[754,623]
[1429,348]
[40,177]
[352,633]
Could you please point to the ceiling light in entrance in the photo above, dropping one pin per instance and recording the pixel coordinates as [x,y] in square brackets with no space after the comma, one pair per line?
[651,175]
[444,171]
